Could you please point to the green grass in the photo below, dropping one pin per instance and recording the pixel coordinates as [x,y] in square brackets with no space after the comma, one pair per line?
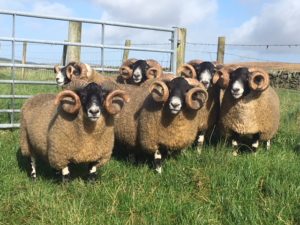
[212,188]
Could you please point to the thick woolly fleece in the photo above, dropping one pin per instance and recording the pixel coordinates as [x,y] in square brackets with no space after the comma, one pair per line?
[258,112]
[61,138]
[157,128]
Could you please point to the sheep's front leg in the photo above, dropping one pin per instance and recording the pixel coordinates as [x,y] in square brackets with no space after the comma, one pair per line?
[255,142]
[65,174]
[200,142]
[268,144]
[234,143]
[33,167]
[157,161]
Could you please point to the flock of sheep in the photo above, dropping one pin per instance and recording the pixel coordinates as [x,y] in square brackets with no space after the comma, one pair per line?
[145,110]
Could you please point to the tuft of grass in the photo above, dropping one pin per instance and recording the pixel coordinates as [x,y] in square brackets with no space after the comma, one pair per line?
[212,188]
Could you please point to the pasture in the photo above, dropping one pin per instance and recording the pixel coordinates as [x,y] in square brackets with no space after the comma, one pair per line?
[212,188]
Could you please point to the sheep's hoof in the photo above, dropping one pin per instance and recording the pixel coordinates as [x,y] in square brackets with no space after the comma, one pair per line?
[158,170]
[33,176]
[199,149]
[235,153]
[65,178]
[92,177]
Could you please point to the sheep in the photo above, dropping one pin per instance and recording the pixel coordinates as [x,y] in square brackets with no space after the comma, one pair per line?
[204,72]
[250,107]
[167,117]
[135,71]
[78,130]
[74,71]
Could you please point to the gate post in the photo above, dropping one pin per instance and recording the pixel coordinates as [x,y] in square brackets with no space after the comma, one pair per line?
[126,51]
[181,46]
[74,35]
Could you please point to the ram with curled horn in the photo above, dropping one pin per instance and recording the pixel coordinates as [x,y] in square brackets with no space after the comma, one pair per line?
[169,116]
[250,108]
[71,127]
[136,72]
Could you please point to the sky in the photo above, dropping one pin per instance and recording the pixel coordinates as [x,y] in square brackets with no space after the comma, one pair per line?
[262,23]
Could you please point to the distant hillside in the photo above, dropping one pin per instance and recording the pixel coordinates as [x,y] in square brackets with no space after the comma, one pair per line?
[292,67]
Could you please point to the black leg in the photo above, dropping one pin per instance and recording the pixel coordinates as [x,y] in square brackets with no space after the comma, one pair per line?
[92,172]
[255,142]
[157,161]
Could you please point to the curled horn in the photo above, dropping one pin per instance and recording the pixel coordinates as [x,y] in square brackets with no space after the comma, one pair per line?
[125,70]
[195,62]
[259,79]
[159,91]
[56,69]
[221,77]
[196,97]
[187,70]
[115,101]
[155,69]
[70,106]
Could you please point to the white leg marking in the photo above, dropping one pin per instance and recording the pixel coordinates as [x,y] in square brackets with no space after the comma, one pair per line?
[157,160]
[201,139]
[255,144]
[93,169]
[157,155]
[268,144]
[234,143]
[65,171]
[33,167]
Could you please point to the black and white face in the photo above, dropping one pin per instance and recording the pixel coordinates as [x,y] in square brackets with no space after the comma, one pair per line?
[205,71]
[139,68]
[239,82]
[178,87]
[92,98]
[61,74]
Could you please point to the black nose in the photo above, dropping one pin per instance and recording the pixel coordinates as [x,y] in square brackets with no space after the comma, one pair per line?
[205,82]
[94,111]
[57,79]
[235,90]
[175,104]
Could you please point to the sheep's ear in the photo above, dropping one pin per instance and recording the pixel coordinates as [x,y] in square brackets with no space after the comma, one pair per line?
[56,69]
[115,101]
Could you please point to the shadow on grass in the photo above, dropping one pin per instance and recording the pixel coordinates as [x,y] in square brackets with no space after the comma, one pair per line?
[45,171]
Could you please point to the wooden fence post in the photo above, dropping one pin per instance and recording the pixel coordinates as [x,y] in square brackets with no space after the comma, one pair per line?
[74,35]
[221,50]
[126,51]
[24,58]
[181,46]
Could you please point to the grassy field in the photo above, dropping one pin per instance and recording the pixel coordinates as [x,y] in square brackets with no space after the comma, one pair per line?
[212,188]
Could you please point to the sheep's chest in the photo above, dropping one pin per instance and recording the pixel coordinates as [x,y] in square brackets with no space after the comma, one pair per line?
[179,134]
[241,118]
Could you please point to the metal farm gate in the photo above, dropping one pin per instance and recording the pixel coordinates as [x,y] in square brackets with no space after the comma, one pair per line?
[10,109]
